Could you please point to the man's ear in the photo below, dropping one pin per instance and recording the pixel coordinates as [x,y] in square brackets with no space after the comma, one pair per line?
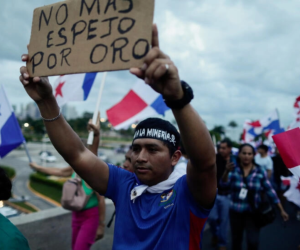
[175,157]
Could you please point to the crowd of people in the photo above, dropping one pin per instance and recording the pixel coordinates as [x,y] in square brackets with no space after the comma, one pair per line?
[244,182]
[171,183]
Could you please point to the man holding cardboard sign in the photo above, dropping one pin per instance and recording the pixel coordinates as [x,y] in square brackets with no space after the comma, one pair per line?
[82,36]
[156,207]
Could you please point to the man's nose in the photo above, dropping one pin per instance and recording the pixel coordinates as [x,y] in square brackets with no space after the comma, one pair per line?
[143,156]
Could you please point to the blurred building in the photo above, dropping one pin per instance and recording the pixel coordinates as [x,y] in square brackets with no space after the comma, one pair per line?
[31,110]
[69,112]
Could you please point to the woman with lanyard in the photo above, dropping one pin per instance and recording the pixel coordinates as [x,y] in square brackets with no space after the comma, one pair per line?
[87,224]
[244,179]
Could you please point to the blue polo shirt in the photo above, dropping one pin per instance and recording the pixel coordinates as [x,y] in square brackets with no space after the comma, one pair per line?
[169,220]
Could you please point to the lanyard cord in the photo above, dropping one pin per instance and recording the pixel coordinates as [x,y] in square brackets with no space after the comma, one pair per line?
[245,177]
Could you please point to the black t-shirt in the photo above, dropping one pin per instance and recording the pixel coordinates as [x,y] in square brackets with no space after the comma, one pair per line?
[279,169]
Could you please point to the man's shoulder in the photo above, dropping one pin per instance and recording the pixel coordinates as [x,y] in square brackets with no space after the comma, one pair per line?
[11,236]
[257,156]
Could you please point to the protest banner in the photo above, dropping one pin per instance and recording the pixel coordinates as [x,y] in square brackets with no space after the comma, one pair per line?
[81,36]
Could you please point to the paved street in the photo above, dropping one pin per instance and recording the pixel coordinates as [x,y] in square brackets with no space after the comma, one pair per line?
[277,236]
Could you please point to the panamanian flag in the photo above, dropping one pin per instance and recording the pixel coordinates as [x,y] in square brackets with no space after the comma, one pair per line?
[75,87]
[10,133]
[139,103]
[268,125]
[289,148]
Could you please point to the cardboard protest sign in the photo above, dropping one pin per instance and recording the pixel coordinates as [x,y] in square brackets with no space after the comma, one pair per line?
[81,36]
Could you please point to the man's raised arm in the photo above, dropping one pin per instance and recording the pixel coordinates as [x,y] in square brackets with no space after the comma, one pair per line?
[94,171]
[162,75]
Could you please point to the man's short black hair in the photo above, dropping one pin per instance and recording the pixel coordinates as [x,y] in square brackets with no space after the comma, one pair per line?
[228,142]
[263,147]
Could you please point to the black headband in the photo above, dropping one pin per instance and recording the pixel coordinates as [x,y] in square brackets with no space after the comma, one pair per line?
[155,128]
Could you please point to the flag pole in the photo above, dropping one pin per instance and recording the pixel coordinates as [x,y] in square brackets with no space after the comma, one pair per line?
[91,134]
[27,152]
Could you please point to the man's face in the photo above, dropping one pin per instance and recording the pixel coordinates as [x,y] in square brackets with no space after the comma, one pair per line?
[151,160]
[224,150]
[127,163]
[261,152]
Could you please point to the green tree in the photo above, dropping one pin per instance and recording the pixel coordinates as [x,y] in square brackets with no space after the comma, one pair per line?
[232,124]
[219,129]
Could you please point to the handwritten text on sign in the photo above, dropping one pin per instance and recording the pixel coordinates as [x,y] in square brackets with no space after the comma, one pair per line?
[89,35]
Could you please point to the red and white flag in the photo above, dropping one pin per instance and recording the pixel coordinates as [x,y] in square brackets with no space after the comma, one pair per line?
[288,144]
[296,122]
[139,103]
[293,193]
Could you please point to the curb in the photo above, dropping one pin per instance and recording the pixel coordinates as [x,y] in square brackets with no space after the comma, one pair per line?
[19,208]
[53,202]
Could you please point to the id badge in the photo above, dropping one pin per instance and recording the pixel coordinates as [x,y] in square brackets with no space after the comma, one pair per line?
[243,193]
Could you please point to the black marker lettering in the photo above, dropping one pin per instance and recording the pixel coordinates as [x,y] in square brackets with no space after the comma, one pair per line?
[109,3]
[62,36]
[66,14]
[90,29]
[130,7]
[89,9]
[93,51]
[123,30]
[78,32]
[49,38]
[64,56]
[55,61]
[45,18]
[137,56]
[119,48]
[35,64]
[110,21]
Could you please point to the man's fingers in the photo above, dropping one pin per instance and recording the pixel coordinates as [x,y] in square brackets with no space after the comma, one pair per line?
[155,40]
[24,82]
[25,57]
[157,69]
[160,71]
[24,72]
[154,53]
[138,73]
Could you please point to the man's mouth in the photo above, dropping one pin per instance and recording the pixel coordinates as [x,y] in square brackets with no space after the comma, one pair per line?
[142,170]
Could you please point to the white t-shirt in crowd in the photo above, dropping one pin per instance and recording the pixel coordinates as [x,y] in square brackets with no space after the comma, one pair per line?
[265,162]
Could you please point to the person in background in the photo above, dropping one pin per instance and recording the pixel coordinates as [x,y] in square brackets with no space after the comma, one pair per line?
[279,170]
[87,224]
[127,165]
[219,216]
[264,160]
[244,179]
[10,236]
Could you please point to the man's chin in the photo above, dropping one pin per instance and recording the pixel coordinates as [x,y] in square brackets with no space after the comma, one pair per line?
[145,179]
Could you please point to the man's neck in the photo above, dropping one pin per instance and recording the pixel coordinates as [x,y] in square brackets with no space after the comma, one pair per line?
[226,158]
[263,155]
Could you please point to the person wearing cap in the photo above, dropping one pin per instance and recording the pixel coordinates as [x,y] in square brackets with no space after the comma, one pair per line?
[156,207]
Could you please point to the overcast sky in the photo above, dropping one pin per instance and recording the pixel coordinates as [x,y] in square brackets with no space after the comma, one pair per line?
[242,58]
